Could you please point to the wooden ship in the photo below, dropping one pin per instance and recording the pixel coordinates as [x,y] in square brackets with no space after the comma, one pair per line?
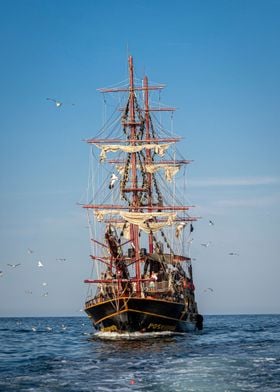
[140,229]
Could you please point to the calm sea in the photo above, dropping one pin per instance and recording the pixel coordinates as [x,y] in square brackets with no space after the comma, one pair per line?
[233,353]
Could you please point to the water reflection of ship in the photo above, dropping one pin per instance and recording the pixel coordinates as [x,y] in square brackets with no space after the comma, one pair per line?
[143,280]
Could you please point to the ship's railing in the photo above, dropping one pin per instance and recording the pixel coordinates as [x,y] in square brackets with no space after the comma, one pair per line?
[108,290]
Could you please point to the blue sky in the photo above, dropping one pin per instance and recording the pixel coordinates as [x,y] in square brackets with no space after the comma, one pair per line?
[220,60]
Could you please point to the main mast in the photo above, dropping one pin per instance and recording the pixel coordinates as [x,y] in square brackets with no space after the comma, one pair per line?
[134,231]
[148,153]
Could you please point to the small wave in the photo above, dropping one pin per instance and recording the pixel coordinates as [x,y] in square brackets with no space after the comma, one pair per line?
[133,335]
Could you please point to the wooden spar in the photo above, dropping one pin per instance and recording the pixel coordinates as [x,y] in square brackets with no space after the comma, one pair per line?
[110,281]
[100,259]
[162,162]
[167,109]
[152,208]
[178,220]
[99,243]
[123,89]
[147,140]
[176,258]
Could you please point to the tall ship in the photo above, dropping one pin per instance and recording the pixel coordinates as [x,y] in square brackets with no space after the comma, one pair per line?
[139,222]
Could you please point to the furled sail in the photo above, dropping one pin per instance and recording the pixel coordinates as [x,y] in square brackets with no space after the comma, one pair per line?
[159,148]
[144,220]
[169,169]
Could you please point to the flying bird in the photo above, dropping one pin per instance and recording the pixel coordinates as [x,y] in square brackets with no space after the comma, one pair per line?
[30,251]
[113,179]
[13,265]
[179,228]
[206,245]
[61,259]
[45,294]
[44,284]
[211,223]
[28,292]
[40,264]
[57,103]
[233,254]
[1,273]
[208,289]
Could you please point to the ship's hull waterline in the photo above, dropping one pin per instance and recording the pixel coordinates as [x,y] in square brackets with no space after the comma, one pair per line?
[125,314]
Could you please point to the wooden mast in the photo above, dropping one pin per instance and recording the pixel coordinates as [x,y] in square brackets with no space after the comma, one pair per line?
[148,152]
[134,230]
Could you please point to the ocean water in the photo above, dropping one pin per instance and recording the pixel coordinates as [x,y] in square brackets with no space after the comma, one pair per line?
[232,353]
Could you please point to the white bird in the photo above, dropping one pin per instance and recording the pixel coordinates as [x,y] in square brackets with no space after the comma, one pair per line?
[57,103]
[63,327]
[113,179]
[40,264]
[233,254]
[49,328]
[44,284]
[34,329]
[13,265]
[30,251]
[206,245]
[211,223]
[179,228]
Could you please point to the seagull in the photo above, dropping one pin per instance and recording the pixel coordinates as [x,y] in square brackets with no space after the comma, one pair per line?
[40,264]
[44,284]
[13,265]
[233,254]
[179,228]
[30,251]
[45,294]
[211,223]
[63,327]
[209,288]
[28,292]
[34,329]
[49,328]
[113,179]
[206,245]
[57,103]
[1,274]
[61,259]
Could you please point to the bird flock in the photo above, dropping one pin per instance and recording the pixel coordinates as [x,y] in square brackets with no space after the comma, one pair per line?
[203,245]
[39,265]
